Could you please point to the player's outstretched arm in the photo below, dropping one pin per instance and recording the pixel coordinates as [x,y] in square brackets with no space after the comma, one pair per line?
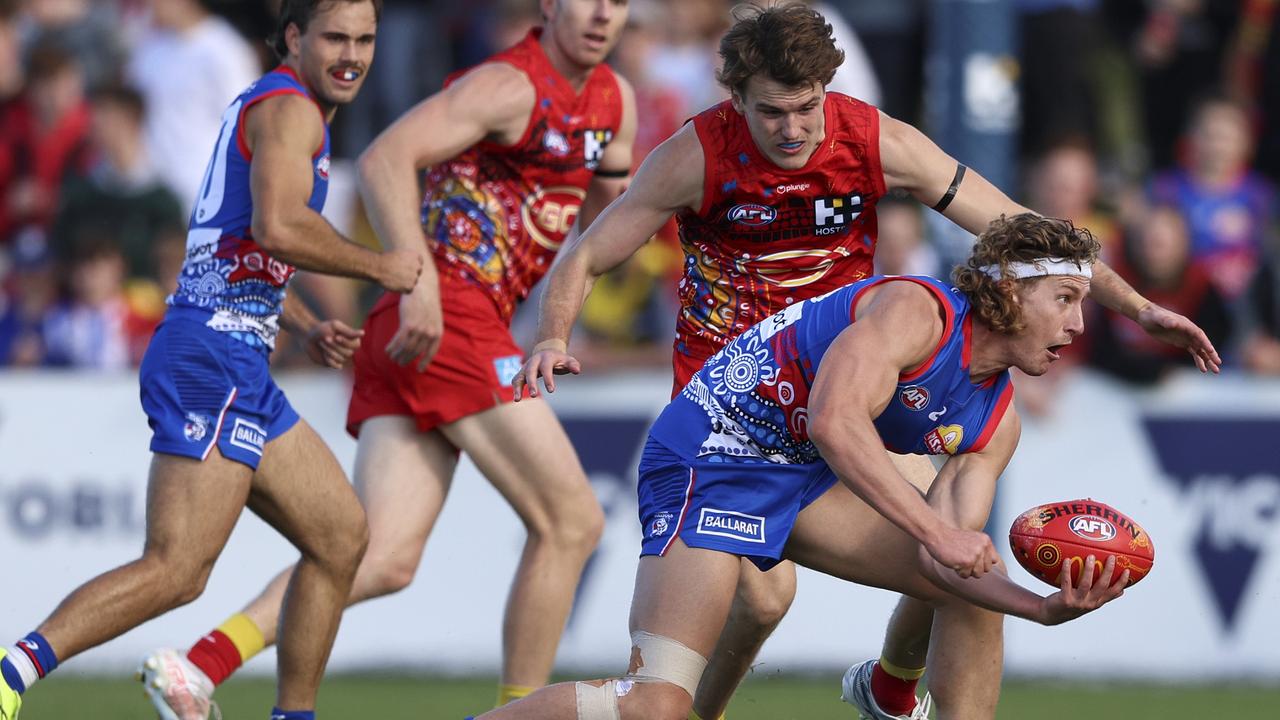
[283,133]
[913,162]
[899,326]
[669,180]
[493,101]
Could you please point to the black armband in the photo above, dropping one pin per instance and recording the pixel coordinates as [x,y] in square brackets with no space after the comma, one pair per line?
[613,174]
[951,191]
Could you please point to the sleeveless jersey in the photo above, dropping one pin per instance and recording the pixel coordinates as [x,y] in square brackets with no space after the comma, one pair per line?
[496,215]
[764,236]
[750,400]
[226,273]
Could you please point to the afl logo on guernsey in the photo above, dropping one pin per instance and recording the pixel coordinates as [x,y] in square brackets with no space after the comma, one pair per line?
[915,397]
[944,439]
[752,215]
[322,167]
[555,143]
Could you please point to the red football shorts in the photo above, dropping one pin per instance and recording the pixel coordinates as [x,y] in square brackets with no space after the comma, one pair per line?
[470,372]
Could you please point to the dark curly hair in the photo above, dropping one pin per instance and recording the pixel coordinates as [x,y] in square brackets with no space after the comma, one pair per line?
[300,12]
[790,43]
[1022,238]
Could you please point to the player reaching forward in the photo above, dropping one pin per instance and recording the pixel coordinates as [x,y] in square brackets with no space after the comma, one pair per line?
[518,151]
[777,447]
[225,437]
[774,192]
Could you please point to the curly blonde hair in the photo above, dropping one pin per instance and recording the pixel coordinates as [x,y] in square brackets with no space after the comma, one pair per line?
[1022,238]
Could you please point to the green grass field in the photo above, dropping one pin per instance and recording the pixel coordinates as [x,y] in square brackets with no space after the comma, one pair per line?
[767,698]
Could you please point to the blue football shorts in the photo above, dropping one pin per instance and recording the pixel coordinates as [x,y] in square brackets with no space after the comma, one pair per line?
[734,506]
[202,388]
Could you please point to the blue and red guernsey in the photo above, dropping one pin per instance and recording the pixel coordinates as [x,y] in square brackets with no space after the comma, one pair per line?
[227,275]
[750,401]
[496,215]
[766,237]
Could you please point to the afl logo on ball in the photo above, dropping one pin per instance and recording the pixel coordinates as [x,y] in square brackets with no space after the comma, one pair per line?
[752,215]
[914,397]
[1092,528]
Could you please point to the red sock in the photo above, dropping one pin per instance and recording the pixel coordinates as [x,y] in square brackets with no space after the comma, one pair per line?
[216,656]
[894,695]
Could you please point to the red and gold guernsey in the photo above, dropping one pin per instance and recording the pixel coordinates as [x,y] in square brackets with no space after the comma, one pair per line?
[766,237]
[495,215]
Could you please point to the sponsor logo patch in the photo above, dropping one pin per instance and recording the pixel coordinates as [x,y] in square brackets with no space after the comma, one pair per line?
[833,214]
[944,439]
[506,369]
[915,397]
[248,436]
[594,143]
[752,214]
[731,524]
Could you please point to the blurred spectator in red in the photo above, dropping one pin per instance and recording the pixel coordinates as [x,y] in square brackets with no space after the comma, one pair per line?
[31,290]
[188,65]
[1228,207]
[99,326]
[1158,263]
[121,196]
[1063,183]
[44,140]
[901,246]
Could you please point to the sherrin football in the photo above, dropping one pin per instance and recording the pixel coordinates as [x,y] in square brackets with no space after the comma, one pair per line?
[1044,537]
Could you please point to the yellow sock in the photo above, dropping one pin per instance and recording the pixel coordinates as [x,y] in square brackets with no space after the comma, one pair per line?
[244,634]
[900,672]
[507,693]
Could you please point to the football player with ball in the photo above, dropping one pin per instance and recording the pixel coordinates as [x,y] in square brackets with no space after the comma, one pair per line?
[779,448]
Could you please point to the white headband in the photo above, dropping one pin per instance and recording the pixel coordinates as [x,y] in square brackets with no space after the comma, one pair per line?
[1040,268]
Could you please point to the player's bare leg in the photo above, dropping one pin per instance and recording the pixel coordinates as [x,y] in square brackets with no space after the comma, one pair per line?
[759,604]
[192,507]
[842,536]
[402,477]
[301,491]
[764,598]
[524,452]
[693,618]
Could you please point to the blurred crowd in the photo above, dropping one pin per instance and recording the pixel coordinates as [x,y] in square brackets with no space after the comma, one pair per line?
[1156,124]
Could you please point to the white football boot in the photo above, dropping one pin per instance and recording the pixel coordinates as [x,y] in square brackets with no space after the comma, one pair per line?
[177,688]
[856,690]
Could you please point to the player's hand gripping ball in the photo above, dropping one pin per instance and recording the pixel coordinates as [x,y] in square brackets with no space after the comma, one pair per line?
[1045,537]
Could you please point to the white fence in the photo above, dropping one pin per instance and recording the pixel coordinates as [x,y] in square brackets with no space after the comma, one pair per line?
[1198,466]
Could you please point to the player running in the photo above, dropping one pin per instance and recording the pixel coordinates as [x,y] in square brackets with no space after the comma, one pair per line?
[225,436]
[777,447]
[518,151]
[774,192]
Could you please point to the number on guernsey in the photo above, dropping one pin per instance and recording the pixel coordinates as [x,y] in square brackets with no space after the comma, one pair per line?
[214,187]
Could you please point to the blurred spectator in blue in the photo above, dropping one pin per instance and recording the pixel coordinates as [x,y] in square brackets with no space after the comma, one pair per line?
[31,290]
[1260,320]
[892,34]
[901,246]
[44,140]
[1158,262]
[1229,208]
[121,195]
[189,65]
[99,326]
[88,30]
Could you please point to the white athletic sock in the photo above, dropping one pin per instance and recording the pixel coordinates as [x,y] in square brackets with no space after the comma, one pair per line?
[26,669]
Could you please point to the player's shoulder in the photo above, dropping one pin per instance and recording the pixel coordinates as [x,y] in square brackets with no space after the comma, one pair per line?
[497,81]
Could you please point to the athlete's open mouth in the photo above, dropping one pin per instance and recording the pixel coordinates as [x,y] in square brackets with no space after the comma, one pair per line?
[345,74]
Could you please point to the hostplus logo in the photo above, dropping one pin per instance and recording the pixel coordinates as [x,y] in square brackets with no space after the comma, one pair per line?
[1227,471]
